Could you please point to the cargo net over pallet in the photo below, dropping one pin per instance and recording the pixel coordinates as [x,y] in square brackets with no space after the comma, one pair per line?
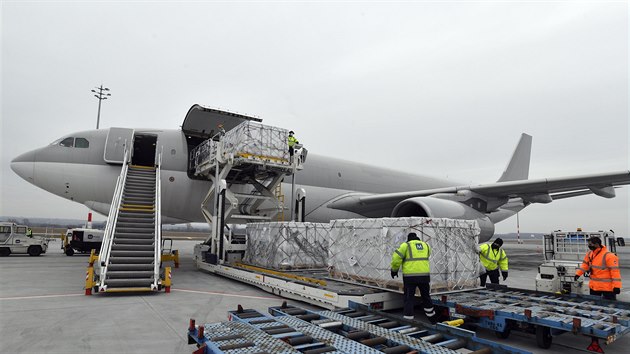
[250,141]
[258,141]
[361,250]
[288,245]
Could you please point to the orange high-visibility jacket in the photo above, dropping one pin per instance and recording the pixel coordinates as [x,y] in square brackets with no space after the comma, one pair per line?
[604,268]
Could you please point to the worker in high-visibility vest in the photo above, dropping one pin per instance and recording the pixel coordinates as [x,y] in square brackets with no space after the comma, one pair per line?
[493,258]
[29,232]
[413,255]
[605,278]
[292,141]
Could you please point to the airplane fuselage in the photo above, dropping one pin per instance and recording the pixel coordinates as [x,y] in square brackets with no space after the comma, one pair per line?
[83,176]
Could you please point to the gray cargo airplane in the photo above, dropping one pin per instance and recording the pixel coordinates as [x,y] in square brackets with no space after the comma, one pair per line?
[83,167]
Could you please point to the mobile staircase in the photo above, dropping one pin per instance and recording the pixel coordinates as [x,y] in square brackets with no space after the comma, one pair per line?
[130,255]
[246,166]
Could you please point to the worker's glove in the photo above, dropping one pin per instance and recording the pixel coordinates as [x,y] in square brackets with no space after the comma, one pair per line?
[394,274]
[575,278]
[504,274]
[617,291]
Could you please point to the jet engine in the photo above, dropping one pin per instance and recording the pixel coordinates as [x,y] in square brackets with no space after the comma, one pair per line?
[442,208]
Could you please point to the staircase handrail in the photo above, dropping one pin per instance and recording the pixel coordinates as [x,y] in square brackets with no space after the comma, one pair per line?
[158,221]
[112,218]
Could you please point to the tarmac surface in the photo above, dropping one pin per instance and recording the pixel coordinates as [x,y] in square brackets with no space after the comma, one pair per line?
[43,307]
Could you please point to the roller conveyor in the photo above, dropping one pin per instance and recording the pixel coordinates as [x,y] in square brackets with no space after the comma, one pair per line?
[305,331]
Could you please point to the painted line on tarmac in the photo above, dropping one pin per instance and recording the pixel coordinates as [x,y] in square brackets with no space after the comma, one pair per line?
[226,294]
[39,296]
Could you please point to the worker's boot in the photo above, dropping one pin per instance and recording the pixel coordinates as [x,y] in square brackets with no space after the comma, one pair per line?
[432,316]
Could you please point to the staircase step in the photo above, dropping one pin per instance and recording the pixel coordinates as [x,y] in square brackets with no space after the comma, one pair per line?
[132,247]
[140,184]
[147,179]
[130,267]
[131,230]
[140,187]
[115,253]
[129,274]
[138,200]
[130,260]
[133,241]
[147,219]
[141,172]
[136,224]
[134,214]
[131,235]
[135,194]
[124,283]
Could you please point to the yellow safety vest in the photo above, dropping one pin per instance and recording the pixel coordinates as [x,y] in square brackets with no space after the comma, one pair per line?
[292,141]
[414,257]
[491,259]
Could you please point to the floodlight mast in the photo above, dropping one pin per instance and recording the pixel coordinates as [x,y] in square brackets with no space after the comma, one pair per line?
[101,94]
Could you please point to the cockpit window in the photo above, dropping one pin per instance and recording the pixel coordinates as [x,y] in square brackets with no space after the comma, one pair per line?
[67,142]
[81,143]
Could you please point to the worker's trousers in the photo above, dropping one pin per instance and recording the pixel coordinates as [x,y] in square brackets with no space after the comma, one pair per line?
[410,284]
[493,274]
[608,295]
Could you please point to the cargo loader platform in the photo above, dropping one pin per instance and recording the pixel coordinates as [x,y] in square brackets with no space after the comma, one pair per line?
[311,286]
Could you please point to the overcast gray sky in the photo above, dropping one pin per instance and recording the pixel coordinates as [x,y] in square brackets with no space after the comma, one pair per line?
[437,88]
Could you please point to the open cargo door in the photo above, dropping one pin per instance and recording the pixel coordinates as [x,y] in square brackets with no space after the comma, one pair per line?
[117,140]
[203,122]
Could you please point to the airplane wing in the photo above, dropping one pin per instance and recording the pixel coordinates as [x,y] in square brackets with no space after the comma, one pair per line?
[542,190]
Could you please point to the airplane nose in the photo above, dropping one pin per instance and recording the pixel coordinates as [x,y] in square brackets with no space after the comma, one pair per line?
[23,166]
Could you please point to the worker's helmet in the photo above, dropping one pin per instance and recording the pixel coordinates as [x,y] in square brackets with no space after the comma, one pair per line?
[291,132]
[499,241]
[595,240]
[412,236]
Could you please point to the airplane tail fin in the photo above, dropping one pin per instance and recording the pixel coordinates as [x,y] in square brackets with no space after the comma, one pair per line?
[518,167]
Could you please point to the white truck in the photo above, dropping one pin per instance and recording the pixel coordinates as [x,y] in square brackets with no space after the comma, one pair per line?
[14,240]
[82,240]
[563,252]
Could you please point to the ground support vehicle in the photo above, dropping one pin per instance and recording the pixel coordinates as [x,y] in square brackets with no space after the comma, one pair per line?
[504,309]
[14,240]
[82,240]
[563,255]
[292,329]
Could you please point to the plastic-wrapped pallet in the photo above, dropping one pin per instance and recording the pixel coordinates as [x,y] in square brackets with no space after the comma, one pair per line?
[287,245]
[361,250]
[259,141]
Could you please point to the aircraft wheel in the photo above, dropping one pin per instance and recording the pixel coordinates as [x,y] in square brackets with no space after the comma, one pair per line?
[69,251]
[34,251]
[543,337]
[5,252]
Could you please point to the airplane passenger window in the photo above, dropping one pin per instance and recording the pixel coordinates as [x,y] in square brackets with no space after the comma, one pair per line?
[67,142]
[81,143]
